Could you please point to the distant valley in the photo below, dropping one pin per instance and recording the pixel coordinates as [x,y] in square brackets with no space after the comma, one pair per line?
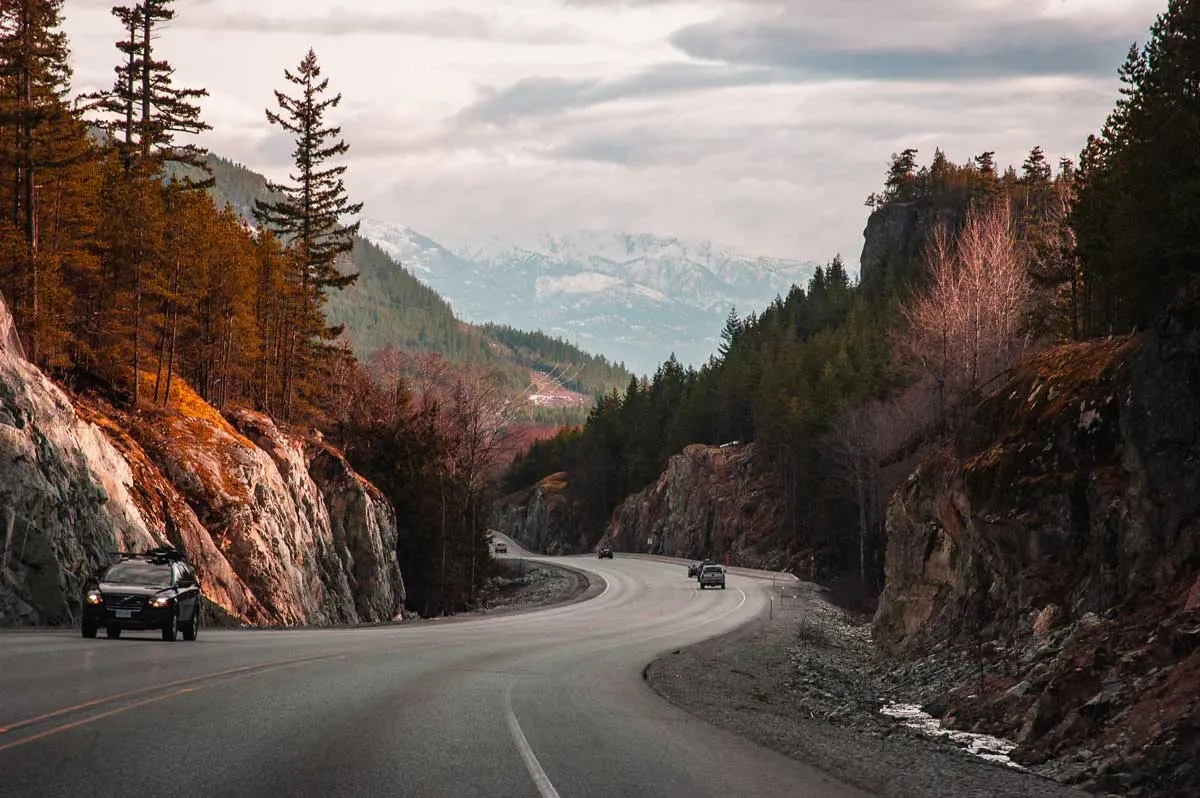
[635,299]
[631,299]
[391,306]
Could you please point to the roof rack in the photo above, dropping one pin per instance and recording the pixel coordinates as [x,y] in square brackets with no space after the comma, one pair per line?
[160,553]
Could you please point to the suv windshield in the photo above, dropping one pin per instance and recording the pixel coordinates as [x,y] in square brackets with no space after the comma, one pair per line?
[139,572]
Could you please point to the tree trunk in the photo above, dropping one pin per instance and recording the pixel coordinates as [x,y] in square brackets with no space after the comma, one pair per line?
[171,356]
[29,211]
[144,136]
[137,332]
[862,524]
[162,355]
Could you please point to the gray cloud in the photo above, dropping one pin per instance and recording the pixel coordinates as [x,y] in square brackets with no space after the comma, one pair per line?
[780,169]
[1000,50]
[941,40]
[445,24]
[645,146]
[761,133]
[541,96]
[811,41]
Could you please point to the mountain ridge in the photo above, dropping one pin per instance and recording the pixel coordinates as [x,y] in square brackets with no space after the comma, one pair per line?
[644,296]
[389,306]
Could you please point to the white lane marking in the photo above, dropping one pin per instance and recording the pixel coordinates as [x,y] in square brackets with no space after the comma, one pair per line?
[703,622]
[545,788]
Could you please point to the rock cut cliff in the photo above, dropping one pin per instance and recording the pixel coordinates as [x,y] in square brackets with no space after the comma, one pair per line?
[280,529]
[711,501]
[1058,544]
[545,518]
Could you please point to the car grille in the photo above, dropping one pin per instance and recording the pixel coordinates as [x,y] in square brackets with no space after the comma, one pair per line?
[117,602]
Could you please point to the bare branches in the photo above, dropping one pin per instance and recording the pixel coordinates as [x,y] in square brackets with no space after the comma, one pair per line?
[965,326]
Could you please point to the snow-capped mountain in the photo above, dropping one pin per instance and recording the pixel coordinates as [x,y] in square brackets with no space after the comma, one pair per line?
[633,298]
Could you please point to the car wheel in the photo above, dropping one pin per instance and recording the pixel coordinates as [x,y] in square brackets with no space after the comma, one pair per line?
[192,627]
[701,585]
[113,632]
[90,629]
[170,632]
[722,587]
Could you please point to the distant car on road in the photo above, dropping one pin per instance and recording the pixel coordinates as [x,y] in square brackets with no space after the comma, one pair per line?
[694,569]
[605,553]
[712,576]
[155,590]
[502,548]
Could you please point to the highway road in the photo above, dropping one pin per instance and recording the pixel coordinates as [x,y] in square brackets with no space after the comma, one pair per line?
[539,704]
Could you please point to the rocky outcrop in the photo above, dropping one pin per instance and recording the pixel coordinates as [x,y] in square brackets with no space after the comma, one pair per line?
[280,529]
[168,515]
[709,501]
[363,525]
[544,518]
[894,240]
[64,495]
[1058,545]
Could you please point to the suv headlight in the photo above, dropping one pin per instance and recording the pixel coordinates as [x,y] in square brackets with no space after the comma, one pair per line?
[94,597]
[160,601]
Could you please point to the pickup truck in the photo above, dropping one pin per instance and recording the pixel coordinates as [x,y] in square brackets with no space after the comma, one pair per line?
[712,576]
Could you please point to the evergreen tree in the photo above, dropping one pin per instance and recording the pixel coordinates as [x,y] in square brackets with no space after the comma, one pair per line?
[1139,181]
[940,170]
[730,333]
[310,215]
[40,138]
[985,162]
[1036,169]
[901,182]
[144,110]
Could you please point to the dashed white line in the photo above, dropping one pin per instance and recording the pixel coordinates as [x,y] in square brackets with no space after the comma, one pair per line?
[540,779]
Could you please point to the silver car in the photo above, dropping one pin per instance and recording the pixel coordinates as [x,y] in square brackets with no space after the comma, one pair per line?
[712,576]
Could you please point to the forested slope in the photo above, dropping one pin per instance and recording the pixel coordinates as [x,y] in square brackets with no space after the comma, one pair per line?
[388,306]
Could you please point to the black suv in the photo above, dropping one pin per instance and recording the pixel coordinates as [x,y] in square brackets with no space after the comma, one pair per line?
[605,553]
[156,590]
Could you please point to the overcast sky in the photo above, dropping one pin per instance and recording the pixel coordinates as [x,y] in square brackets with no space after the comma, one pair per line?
[762,124]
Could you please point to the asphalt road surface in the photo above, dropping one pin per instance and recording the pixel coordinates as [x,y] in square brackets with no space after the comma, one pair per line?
[541,704]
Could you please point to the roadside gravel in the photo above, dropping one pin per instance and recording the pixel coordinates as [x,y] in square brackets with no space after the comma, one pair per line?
[524,585]
[804,683]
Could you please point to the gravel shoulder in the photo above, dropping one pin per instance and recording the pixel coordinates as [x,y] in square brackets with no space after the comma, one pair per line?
[524,585]
[803,681]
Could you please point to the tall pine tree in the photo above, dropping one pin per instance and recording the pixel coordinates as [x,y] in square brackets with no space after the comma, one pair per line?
[310,215]
[144,111]
[1137,213]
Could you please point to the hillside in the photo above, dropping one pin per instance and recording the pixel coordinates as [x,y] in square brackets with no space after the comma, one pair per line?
[389,306]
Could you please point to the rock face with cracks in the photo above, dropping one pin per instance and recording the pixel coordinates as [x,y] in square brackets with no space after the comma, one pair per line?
[280,529]
[1056,548]
[710,500]
[64,494]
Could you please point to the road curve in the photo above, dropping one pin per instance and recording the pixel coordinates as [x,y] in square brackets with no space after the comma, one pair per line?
[542,704]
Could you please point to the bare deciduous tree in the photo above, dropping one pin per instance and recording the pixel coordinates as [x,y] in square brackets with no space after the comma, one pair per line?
[857,446]
[860,442]
[965,326]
